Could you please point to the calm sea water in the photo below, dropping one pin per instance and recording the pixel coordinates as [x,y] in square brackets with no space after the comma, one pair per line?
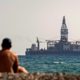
[51,63]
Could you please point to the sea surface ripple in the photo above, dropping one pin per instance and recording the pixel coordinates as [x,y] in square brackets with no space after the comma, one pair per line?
[51,63]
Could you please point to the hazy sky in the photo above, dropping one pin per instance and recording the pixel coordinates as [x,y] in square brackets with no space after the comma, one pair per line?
[24,20]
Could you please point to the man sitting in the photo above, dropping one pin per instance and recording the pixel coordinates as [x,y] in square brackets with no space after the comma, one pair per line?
[8,58]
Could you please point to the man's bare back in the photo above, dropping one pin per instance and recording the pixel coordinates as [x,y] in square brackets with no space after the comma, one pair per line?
[8,61]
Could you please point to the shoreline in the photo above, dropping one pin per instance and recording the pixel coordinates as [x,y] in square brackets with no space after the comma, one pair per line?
[39,76]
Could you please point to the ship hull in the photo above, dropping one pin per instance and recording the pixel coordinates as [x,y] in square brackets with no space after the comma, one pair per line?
[53,52]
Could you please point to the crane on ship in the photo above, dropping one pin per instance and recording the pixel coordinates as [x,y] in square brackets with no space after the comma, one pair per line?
[38,43]
[51,43]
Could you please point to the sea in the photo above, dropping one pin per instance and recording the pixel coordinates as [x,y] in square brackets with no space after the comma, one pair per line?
[66,63]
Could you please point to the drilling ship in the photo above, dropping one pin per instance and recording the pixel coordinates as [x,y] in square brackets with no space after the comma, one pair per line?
[62,46]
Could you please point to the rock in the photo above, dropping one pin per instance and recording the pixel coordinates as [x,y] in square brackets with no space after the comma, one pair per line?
[39,76]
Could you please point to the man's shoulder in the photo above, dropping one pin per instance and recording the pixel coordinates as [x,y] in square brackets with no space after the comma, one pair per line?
[13,53]
[9,53]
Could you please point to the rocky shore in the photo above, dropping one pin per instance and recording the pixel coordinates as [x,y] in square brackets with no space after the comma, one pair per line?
[39,76]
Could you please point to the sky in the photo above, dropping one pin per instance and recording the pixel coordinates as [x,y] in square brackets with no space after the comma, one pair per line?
[24,20]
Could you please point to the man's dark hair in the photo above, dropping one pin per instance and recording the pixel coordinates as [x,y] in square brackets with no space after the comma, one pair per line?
[6,43]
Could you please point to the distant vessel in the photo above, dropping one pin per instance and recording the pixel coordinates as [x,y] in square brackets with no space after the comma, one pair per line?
[61,46]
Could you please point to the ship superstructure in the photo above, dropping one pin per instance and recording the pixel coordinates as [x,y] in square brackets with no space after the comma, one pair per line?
[57,46]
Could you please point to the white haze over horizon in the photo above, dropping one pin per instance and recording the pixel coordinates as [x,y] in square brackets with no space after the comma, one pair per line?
[24,20]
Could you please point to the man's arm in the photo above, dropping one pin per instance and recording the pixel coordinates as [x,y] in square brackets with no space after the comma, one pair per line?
[15,65]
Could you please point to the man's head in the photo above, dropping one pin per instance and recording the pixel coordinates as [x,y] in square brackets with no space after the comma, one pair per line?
[6,43]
